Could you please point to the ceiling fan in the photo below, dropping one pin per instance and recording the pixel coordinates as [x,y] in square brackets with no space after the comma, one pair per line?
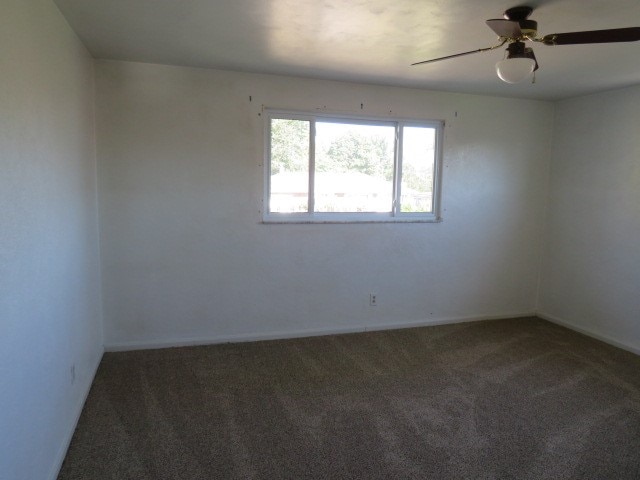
[516,29]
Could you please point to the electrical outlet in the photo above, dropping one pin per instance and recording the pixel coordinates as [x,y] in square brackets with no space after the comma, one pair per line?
[73,374]
[373,299]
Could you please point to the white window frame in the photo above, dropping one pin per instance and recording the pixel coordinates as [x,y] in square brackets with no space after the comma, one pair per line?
[395,216]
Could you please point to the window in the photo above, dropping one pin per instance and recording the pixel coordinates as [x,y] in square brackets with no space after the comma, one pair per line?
[346,169]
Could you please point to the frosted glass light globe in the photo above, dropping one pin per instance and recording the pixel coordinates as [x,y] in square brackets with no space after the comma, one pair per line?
[514,70]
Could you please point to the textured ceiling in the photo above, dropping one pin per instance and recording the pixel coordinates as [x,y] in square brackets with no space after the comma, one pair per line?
[372,41]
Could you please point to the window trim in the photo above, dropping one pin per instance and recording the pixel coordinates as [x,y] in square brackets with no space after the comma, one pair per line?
[394,216]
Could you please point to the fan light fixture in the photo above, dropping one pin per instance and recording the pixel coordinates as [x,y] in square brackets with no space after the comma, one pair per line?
[515,70]
[519,64]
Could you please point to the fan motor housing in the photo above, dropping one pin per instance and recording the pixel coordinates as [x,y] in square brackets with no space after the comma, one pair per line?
[517,13]
[529,28]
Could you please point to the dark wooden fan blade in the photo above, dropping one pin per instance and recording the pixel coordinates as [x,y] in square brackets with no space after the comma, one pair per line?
[505,28]
[449,56]
[631,34]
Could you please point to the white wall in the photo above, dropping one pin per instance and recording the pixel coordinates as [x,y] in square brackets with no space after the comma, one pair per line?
[186,259]
[591,274]
[49,278]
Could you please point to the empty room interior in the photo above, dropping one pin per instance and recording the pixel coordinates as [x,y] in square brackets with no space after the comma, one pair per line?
[319,239]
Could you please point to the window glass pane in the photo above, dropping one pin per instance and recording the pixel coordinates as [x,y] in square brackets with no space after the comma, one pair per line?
[418,159]
[289,182]
[354,167]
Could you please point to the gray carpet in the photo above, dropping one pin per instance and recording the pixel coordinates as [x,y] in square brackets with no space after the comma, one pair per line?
[521,398]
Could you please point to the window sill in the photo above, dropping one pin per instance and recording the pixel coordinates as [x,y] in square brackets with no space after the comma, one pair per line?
[347,219]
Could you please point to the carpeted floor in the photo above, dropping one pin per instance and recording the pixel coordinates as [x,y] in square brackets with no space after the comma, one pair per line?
[521,399]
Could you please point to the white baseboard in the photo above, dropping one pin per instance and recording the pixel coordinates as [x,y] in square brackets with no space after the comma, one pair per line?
[284,334]
[64,445]
[589,332]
